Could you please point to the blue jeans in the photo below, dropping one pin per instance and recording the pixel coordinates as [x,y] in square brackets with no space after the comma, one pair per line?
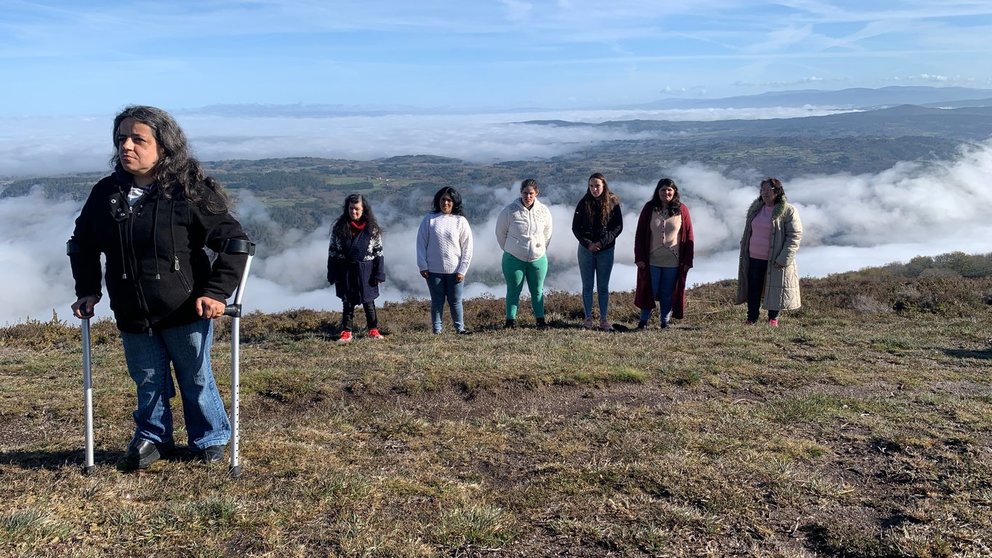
[443,286]
[600,265]
[662,286]
[515,271]
[188,349]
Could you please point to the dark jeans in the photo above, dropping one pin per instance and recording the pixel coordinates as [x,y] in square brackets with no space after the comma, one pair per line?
[756,272]
[348,315]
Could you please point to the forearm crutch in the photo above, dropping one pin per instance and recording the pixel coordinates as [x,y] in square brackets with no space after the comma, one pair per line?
[87,398]
[72,249]
[237,246]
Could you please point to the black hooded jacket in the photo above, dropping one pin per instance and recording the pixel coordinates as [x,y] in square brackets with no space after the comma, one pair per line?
[156,265]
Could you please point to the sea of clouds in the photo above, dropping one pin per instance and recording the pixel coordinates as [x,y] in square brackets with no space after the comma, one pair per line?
[850,221]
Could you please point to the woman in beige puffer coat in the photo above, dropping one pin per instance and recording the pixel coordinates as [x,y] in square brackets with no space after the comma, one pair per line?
[767,270]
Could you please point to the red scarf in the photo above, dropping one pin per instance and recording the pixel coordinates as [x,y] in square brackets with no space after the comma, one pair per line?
[357,227]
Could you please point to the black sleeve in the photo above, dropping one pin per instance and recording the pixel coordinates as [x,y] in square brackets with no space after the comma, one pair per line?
[227,268]
[84,250]
[614,227]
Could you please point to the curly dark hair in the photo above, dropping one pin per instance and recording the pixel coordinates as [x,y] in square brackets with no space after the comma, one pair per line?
[178,173]
[675,207]
[341,226]
[456,200]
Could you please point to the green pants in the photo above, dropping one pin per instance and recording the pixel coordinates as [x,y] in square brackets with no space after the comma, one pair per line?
[515,271]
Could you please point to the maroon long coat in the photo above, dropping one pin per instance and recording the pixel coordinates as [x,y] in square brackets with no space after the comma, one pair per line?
[643,297]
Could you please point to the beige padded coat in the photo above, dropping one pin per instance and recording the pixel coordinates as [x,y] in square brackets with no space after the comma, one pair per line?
[781,283]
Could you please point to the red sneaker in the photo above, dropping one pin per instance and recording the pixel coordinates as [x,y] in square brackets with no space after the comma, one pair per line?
[374,334]
[345,337]
[773,323]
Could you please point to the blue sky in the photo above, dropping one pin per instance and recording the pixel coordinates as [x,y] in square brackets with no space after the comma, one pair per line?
[70,57]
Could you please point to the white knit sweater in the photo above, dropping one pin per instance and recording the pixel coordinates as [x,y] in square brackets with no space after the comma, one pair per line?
[444,244]
[524,233]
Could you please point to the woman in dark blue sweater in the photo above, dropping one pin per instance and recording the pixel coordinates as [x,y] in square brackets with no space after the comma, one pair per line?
[355,265]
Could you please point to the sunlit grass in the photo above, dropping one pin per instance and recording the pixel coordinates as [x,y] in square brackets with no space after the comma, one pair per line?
[847,431]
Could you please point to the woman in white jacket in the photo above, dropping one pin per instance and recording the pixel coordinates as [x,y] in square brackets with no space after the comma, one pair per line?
[444,252]
[523,230]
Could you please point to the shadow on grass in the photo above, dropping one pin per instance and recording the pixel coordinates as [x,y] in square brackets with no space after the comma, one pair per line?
[526,326]
[56,460]
[962,353]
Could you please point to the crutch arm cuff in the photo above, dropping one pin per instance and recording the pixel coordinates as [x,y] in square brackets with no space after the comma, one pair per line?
[239,246]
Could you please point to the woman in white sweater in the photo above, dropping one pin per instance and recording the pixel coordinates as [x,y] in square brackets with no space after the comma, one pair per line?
[444,252]
[523,230]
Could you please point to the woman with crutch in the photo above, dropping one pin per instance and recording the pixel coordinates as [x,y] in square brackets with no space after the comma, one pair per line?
[152,220]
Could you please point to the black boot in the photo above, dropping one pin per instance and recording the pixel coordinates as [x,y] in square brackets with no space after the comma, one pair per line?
[212,454]
[510,324]
[140,455]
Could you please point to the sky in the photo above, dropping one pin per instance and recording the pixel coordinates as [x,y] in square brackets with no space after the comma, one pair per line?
[82,58]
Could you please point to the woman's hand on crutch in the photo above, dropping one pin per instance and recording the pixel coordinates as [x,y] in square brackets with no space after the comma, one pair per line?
[209,308]
[83,308]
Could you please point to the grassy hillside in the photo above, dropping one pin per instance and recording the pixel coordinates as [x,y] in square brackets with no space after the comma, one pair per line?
[861,427]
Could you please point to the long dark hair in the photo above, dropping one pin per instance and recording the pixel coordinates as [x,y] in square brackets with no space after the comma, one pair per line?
[675,206]
[776,186]
[341,227]
[456,200]
[606,201]
[178,173]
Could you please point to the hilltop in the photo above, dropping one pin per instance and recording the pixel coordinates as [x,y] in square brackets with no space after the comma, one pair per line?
[861,427]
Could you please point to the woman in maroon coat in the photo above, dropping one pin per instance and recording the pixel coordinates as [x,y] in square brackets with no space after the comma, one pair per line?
[663,251]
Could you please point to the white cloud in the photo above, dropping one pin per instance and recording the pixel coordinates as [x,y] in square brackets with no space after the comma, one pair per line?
[851,221]
[31,146]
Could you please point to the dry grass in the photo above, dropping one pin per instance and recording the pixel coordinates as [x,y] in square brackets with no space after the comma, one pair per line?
[861,427]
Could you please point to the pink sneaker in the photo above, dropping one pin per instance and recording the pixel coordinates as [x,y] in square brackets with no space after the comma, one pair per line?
[345,337]
[773,323]
[374,334]
[588,323]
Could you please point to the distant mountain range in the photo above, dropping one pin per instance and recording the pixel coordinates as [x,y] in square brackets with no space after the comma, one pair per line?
[966,124]
[853,98]
[301,192]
